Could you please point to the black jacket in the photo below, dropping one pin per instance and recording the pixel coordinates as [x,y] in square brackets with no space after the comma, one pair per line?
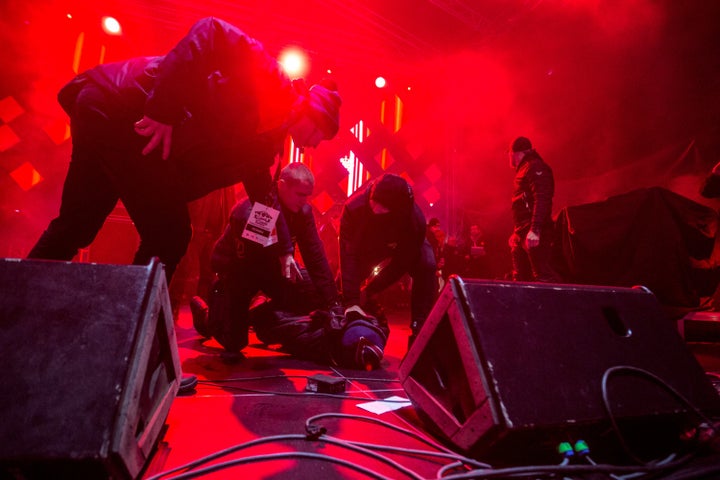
[534,190]
[367,239]
[227,99]
[711,186]
[230,250]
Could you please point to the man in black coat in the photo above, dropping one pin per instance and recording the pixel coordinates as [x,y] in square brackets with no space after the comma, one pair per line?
[531,241]
[280,315]
[216,110]
[381,223]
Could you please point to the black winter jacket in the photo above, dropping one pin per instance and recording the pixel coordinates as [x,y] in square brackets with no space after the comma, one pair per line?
[231,249]
[532,198]
[366,239]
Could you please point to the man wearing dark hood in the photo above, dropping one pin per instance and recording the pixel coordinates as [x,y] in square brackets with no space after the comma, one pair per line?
[382,225]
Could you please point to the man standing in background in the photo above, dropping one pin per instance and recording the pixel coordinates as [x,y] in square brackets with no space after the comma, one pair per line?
[531,241]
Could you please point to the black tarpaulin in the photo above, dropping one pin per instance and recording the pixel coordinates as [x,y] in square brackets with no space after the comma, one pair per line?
[644,237]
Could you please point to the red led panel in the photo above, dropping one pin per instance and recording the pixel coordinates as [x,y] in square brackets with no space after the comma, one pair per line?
[323,202]
[10,109]
[26,176]
[8,138]
[58,131]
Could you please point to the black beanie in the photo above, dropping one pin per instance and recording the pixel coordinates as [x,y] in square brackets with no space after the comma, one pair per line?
[521,144]
[392,192]
[323,106]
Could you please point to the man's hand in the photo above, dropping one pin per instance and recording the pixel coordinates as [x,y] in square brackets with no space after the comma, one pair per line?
[355,312]
[532,239]
[159,133]
[514,240]
[290,269]
[716,169]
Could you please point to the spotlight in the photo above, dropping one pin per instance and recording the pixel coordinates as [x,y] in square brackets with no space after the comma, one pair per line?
[111,26]
[294,61]
[380,82]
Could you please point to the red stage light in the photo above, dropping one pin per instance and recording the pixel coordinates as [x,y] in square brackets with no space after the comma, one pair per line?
[111,26]
[294,61]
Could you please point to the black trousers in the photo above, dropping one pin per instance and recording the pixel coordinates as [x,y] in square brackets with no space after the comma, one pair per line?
[107,165]
[232,294]
[534,264]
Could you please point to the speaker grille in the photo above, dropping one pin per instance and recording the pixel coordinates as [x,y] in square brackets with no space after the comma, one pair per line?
[90,364]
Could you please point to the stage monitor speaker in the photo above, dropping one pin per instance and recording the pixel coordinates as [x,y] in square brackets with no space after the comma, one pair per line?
[500,366]
[90,368]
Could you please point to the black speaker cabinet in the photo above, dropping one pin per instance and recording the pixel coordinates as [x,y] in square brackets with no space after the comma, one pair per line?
[90,368]
[500,366]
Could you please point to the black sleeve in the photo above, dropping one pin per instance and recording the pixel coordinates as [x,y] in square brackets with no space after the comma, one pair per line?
[542,188]
[209,46]
[313,255]
[224,257]
[711,186]
[349,260]
[407,252]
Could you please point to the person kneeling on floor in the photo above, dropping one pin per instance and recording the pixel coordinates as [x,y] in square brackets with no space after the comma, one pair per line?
[245,266]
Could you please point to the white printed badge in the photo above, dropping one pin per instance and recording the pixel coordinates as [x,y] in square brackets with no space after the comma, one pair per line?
[260,227]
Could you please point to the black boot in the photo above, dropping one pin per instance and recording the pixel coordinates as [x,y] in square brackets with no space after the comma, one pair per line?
[199,310]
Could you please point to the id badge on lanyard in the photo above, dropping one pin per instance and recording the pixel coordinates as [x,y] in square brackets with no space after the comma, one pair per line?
[260,227]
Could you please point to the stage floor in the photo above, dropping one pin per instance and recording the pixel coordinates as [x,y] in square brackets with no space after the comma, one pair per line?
[263,397]
[254,413]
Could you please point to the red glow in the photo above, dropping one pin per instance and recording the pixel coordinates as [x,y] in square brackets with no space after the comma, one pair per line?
[323,202]
[431,195]
[8,138]
[10,109]
[58,130]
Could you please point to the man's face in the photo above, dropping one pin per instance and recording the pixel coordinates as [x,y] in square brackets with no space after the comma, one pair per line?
[305,132]
[294,196]
[378,208]
[515,158]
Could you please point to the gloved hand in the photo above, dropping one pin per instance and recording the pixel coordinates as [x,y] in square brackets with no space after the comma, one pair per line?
[331,318]
[355,313]
[289,268]
[337,316]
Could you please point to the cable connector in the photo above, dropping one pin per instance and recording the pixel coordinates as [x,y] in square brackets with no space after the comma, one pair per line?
[565,449]
[313,432]
[581,448]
